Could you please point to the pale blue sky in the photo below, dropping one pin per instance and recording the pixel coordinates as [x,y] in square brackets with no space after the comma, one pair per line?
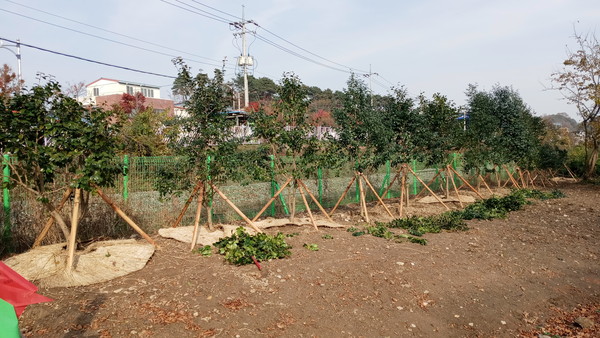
[428,46]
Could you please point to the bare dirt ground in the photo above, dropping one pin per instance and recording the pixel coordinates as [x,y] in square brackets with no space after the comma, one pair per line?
[501,278]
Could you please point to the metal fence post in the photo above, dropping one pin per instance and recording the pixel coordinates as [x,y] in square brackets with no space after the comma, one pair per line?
[320,184]
[414,165]
[273,184]
[6,233]
[125,178]
[386,179]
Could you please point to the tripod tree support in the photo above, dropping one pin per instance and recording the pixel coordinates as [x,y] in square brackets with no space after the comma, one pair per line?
[198,214]
[465,181]
[124,216]
[72,244]
[238,211]
[50,220]
[310,215]
[343,195]
[376,195]
[427,187]
[314,200]
[271,200]
[187,204]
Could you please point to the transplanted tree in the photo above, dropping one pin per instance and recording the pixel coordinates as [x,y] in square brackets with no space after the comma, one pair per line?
[501,129]
[363,136]
[206,138]
[9,84]
[290,135]
[579,83]
[53,138]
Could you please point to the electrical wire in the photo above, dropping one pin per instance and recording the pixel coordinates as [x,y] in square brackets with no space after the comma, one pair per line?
[309,52]
[88,60]
[112,32]
[217,10]
[222,20]
[108,39]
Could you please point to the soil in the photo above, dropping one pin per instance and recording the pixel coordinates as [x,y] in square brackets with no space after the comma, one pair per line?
[501,278]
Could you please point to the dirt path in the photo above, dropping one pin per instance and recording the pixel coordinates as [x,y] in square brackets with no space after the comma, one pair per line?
[497,279]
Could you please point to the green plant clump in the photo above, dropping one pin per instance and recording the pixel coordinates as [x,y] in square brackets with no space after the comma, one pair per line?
[204,251]
[311,247]
[327,236]
[240,247]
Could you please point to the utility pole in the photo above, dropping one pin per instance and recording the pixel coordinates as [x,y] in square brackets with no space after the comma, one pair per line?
[18,55]
[244,60]
[370,83]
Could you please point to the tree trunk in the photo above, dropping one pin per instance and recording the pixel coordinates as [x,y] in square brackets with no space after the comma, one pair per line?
[592,160]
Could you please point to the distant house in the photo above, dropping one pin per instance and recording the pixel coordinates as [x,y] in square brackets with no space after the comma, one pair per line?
[106,92]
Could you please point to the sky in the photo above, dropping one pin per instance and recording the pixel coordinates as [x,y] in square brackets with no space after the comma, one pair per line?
[427,46]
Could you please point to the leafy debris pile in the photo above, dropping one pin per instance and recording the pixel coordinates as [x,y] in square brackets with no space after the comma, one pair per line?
[240,247]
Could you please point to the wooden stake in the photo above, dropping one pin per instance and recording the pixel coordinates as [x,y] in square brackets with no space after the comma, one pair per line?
[389,186]
[510,176]
[376,195]
[457,195]
[428,183]
[407,188]
[523,182]
[238,211]
[363,200]
[569,170]
[342,197]
[486,185]
[293,203]
[124,216]
[466,182]
[310,215]
[429,189]
[402,190]
[72,245]
[271,200]
[186,205]
[50,220]
[314,200]
[197,219]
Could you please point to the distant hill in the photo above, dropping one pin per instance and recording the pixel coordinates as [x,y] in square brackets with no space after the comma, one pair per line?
[562,120]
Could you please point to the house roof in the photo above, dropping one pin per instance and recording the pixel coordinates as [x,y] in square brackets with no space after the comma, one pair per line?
[125,83]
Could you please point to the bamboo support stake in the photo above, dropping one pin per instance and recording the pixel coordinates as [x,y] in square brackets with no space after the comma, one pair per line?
[466,182]
[310,215]
[342,197]
[402,190]
[272,200]
[238,211]
[457,195]
[125,217]
[485,183]
[72,245]
[376,195]
[429,189]
[510,176]
[390,185]
[523,182]
[187,204]
[569,170]
[428,183]
[363,200]
[315,200]
[497,179]
[197,219]
[407,188]
[50,220]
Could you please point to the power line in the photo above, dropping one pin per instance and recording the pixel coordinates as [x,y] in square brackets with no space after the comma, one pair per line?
[89,60]
[112,32]
[218,10]
[107,39]
[309,52]
[213,17]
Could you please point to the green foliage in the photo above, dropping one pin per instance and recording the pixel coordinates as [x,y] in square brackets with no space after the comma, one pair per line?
[240,247]
[352,229]
[327,236]
[417,225]
[293,234]
[362,132]
[380,230]
[358,233]
[205,251]
[50,134]
[311,247]
[288,132]
[501,129]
